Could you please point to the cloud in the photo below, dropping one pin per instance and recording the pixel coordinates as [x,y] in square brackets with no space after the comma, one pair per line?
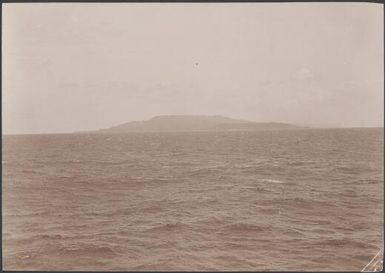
[304,74]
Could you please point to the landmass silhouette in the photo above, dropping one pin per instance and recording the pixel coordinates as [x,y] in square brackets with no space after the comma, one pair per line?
[191,123]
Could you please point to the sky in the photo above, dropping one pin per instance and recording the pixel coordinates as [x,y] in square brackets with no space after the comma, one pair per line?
[83,66]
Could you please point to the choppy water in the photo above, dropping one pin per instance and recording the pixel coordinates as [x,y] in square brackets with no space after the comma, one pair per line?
[274,200]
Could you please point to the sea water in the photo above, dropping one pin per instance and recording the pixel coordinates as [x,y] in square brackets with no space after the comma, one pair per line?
[307,199]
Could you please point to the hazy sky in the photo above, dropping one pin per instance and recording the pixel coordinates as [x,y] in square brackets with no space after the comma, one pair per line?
[78,66]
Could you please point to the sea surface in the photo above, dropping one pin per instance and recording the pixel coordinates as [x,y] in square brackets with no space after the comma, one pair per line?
[307,199]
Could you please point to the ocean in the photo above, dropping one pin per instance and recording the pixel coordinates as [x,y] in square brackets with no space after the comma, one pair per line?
[306,199]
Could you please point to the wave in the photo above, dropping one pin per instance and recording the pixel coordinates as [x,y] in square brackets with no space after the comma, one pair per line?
[272,181]
[353,170]
[308,204]
[46,237]
[247,227]
[88,250]
[167,227]
[343,242]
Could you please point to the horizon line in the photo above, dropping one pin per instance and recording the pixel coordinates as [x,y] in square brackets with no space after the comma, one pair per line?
[197,131]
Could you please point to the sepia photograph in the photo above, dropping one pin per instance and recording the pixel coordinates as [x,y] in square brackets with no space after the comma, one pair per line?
[192,136]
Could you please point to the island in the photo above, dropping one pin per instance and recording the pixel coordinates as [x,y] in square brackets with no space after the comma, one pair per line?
[194,123]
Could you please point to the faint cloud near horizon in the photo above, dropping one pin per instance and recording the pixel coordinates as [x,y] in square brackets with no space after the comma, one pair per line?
[304,74]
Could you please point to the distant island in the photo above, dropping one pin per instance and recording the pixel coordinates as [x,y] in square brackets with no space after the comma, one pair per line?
[194,123]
